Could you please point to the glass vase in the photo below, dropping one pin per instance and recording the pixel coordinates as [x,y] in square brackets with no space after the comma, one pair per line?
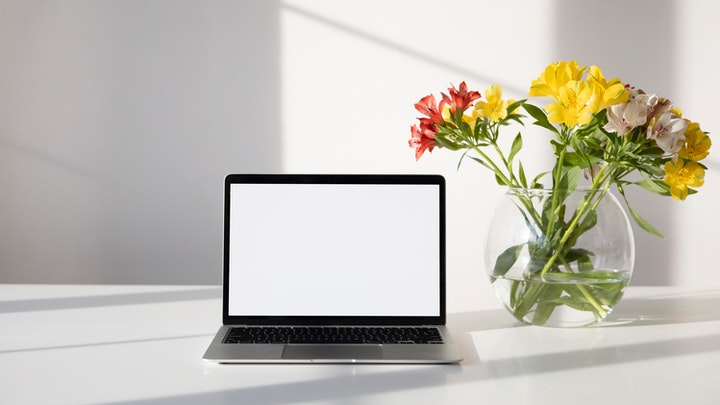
[559,258]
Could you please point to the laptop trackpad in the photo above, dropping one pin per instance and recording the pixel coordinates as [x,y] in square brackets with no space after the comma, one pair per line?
[332,352]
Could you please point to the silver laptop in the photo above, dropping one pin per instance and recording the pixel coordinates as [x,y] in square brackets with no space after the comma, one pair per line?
[334,269]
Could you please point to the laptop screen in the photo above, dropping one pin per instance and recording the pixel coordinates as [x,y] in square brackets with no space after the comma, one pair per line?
[334,246]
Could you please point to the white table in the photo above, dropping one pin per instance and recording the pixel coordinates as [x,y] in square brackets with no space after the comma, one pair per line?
[143,345]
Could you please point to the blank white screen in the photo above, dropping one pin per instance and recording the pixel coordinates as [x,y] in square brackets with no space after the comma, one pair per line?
[334,250]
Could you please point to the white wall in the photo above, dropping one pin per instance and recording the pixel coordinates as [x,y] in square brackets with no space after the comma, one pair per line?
[118,119]
[118,122]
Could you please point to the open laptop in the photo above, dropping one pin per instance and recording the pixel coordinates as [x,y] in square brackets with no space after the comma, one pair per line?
[334,269]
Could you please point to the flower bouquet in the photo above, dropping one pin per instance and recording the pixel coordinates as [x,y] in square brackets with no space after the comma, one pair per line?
[602,133]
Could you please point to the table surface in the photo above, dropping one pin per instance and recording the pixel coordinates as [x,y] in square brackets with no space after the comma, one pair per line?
[67,344]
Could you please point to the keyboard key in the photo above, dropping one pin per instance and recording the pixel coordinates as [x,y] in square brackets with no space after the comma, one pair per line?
[333,334]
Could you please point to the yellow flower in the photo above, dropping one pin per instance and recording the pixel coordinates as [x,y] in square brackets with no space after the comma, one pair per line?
[555,77]
[680,175]
[495,108]
[572,106]
[446,113]
[605,93]
[447,116]
[697,143]
[576,100]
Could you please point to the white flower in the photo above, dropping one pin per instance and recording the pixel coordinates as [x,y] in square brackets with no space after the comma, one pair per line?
[623,118]
[668,131]
[616,121]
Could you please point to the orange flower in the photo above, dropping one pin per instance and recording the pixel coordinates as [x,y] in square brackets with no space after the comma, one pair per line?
[421,139]
[432,110]
[460,99]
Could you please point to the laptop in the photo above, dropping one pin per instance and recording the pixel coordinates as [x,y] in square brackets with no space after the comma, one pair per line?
[333,269]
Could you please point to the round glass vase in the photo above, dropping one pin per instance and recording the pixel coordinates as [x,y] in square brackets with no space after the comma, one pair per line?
[560,258]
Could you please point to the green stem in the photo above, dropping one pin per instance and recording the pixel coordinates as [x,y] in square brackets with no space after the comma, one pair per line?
[585,207]
[557,176]
[508,179]
[601,312]
[496,169]
[499,152]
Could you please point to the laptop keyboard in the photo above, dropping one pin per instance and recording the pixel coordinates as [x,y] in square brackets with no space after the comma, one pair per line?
[334,334]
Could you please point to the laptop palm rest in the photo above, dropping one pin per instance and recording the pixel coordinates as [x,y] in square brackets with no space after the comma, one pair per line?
[331,352]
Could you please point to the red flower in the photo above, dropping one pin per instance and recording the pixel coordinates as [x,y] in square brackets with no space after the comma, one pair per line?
[460,99]
[431,109]
[422,139]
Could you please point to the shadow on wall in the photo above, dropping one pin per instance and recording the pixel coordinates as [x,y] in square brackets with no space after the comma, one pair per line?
[620,37]
[118,122]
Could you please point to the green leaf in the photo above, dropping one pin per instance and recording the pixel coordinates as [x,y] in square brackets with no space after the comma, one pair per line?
[570,179]
[540,117]
[576,301]
[536,181]
[506,260]
[653,185]
[574,159]
[514,106]
[516,146]
[535,112]
[482,162]
[444,142]
[585,264]
[514,287]
[577,254]
[642,222]
[588,222]
[527,296]
[549,299]
[521,173]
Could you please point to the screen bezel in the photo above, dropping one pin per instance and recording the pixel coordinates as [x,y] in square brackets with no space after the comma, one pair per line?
[385,179]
